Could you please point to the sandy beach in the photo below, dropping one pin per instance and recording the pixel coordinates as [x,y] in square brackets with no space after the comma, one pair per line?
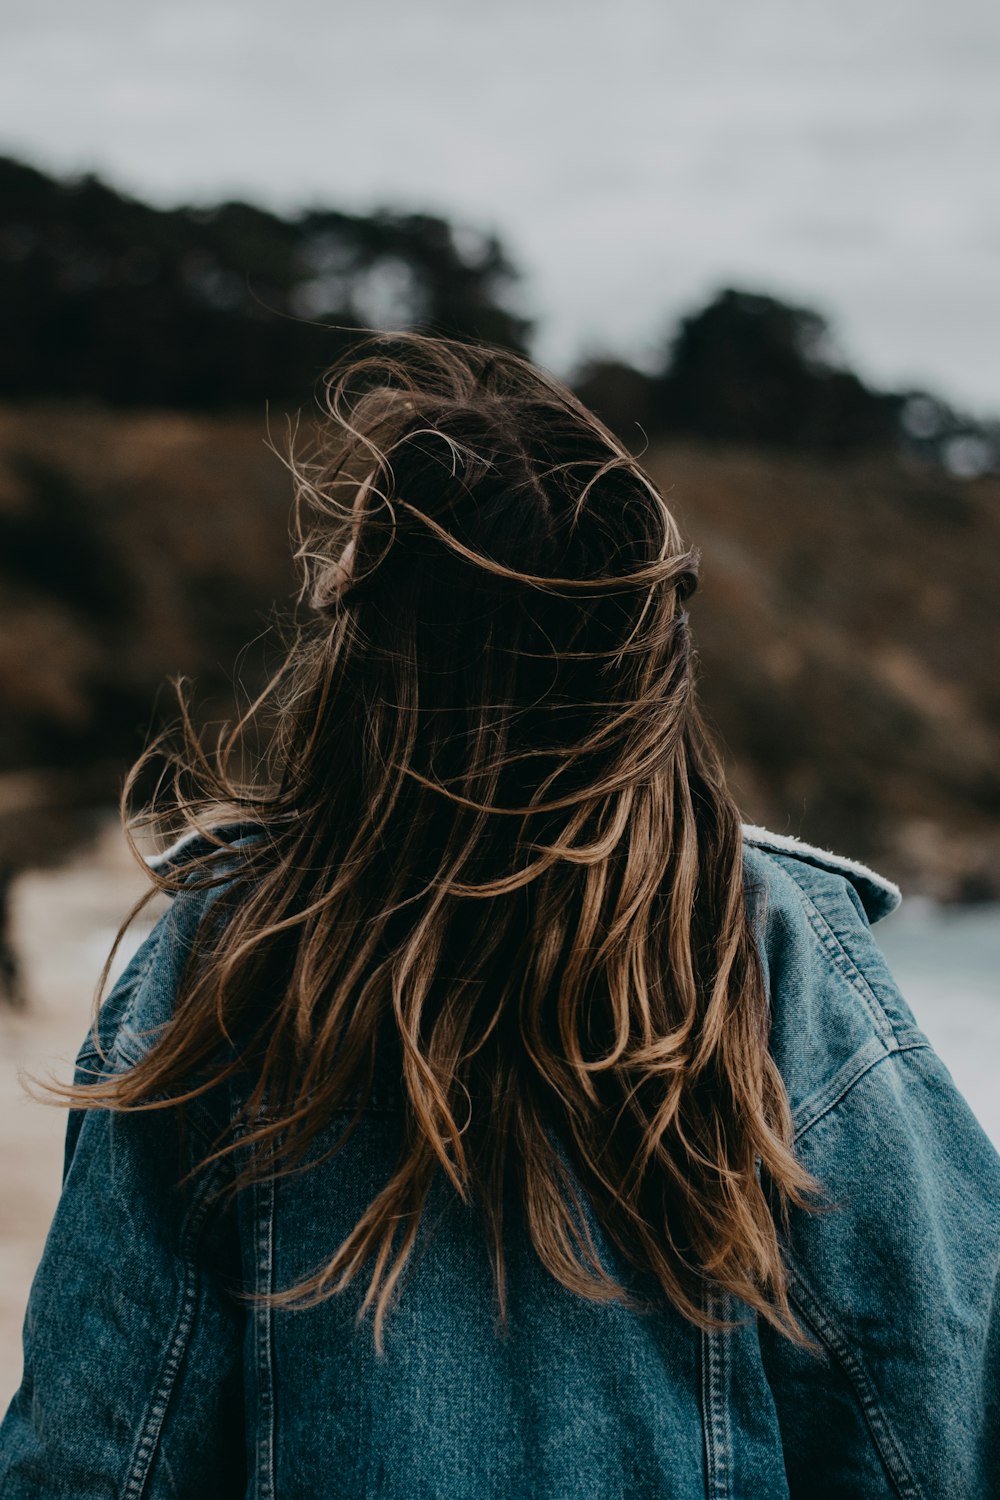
[64,922]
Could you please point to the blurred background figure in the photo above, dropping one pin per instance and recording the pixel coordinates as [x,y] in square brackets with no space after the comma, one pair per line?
[756,240]
[11,992]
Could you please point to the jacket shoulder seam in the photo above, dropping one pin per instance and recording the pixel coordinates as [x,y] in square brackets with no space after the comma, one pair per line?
[848,969]
[90,1050]
[836,1089]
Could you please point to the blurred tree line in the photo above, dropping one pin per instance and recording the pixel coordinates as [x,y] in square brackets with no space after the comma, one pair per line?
[751,369]
[747,368]
[105,297]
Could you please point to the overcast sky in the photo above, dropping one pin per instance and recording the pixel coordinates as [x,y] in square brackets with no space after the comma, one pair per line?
[634,154]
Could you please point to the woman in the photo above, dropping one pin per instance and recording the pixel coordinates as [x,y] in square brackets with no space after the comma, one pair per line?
[491,1113]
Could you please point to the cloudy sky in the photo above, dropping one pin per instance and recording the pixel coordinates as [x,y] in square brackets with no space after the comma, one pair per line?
[634,154]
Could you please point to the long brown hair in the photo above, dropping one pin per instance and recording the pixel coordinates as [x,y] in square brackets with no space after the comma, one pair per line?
[497,854]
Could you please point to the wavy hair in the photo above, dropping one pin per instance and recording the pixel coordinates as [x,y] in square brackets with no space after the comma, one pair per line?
[498,858]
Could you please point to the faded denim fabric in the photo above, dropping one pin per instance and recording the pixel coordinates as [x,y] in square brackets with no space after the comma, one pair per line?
[148,1378]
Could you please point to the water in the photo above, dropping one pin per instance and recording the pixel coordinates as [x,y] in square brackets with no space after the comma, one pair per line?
[946,962]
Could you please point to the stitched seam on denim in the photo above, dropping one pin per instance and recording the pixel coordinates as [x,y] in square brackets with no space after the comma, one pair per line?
[91,1053]
[120,1051]
[848,968]
[263,1344]
[715,1407]
[843,962]
[910,1038]
[381,1103]
[118,1047]
[152,1424]
[130,1056]
[834,1088]
[887,1446]
[835,949]
[854,1078]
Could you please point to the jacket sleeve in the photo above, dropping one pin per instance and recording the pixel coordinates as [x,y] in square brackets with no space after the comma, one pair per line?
[133,1340]
[897,1278]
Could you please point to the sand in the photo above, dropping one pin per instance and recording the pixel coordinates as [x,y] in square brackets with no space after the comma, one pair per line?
[64,922]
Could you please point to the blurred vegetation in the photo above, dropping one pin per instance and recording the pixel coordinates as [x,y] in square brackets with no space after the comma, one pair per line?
[226,306]
[850,537]
[749,368]
[105,297]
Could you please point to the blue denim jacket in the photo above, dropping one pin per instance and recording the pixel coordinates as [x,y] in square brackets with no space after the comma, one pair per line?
[148,1377]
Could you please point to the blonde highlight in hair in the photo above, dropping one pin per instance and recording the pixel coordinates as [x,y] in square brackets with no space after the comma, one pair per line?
[497,856]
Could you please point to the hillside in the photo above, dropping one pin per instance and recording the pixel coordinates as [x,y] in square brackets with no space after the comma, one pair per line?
[846,622]
[848,633]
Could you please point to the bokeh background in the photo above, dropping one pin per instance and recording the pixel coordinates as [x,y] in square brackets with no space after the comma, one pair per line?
[763,241]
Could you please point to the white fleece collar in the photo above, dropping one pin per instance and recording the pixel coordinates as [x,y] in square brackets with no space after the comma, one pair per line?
[879,895]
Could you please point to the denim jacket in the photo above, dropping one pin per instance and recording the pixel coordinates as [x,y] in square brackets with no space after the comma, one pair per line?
[148,1376]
